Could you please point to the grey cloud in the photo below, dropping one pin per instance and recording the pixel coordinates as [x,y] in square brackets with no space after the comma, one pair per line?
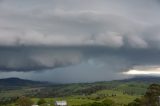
[41,58]
[61,27]
[37,35]
[36,58]
[94,29]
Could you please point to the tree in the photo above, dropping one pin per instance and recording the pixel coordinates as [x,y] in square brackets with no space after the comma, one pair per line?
[41,101]
[108,102]
[24,101]
[151,96]
[136,102]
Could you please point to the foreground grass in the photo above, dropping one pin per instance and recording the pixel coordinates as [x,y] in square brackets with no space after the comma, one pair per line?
[132,91]
[70,100]
[119,99]
[11,93]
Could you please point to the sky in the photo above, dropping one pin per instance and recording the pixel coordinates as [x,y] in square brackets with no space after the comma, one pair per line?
[68,41]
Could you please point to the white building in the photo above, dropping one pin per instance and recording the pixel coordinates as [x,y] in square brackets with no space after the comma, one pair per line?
[60,103]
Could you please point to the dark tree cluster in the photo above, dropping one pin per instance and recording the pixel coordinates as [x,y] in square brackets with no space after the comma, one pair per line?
[8,100]
[106,102]
[151,97]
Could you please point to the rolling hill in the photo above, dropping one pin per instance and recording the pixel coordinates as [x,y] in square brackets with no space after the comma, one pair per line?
[120,91]
[13,82]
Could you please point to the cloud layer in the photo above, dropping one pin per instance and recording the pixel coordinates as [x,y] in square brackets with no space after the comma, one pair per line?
[65,25]
[37,35]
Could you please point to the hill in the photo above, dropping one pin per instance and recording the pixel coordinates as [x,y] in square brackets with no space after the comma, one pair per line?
[144,79]
[120,91]
[15,82]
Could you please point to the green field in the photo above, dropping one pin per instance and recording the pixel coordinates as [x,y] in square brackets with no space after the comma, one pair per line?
[121,92]
[70,100]
[119,99]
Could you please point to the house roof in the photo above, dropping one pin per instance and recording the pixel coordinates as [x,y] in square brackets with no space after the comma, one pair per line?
[60,102]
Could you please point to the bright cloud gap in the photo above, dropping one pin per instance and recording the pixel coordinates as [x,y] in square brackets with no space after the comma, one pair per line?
[155,71]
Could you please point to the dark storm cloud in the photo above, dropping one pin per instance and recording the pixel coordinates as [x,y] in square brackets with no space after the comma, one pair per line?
[38,35]
[36,58]
[41,58]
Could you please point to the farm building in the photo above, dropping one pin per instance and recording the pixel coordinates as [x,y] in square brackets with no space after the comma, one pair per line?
[60,103]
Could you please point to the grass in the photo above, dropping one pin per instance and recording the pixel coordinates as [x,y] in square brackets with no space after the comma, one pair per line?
[134,90]
[70,100]
[119,99]
[11,93]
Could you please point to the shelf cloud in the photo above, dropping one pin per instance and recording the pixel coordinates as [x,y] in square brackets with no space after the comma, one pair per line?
[45,35]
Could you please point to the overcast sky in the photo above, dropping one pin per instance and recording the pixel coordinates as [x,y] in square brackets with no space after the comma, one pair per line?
[78,40]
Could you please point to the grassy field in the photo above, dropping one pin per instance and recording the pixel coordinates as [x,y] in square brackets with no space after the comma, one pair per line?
[70,100]
[121,92]
[119,99]
[116,94]
[12,93]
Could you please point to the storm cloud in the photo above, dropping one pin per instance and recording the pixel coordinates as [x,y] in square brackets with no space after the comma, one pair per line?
[46,35]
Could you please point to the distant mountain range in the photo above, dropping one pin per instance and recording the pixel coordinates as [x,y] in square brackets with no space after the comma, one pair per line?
[145,79]
[20,82]
[23,82]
